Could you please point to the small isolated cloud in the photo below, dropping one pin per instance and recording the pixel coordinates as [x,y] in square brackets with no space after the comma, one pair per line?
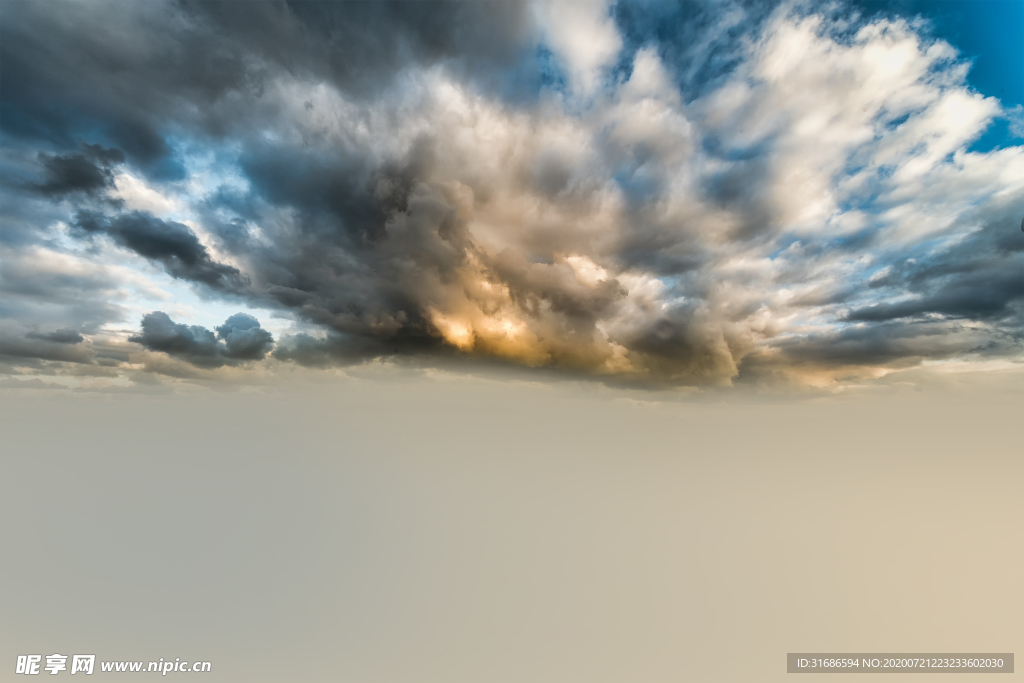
[244,338]
[239,339]
[1015,116]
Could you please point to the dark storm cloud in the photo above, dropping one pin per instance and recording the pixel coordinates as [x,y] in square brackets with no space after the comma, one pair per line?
[171,244]
[127,72]
[890,345]
[976,296]
[359,46]
[877,344]
[88,171]
[978,278]
[362,251]
[332,191]
[239,339]
[104,82]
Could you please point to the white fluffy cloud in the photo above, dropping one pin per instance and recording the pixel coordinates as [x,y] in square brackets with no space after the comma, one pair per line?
[583,36]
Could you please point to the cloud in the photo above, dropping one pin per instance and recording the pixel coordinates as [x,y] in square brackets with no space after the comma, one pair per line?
[35,383]
[583,36]
[706,195]
[88,171]
[172,244]
[244,338]
[46,287]
[35,347]
[239,339]
[58,336]
[1015,118]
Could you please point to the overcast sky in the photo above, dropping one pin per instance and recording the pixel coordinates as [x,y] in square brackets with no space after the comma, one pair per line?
[713,195]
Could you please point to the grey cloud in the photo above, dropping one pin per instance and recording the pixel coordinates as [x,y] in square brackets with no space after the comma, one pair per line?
[106,79]
[126,70]
[334,349]
[172,244]
[195,343]
[42,350]
[45,350]
[41,293]
[239,339]
[892,344]
[978,278]
[244,338]
[977,297]
[58,336]
[555,287]
[35,383]
[88,171]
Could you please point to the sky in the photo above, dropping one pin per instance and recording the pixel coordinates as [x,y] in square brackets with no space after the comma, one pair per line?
[486,342]
[707,195]
[474,530]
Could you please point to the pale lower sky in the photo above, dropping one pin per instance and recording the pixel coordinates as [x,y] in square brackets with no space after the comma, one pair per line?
[418,530]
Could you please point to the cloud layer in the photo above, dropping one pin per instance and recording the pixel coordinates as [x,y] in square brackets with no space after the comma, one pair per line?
[634,192]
